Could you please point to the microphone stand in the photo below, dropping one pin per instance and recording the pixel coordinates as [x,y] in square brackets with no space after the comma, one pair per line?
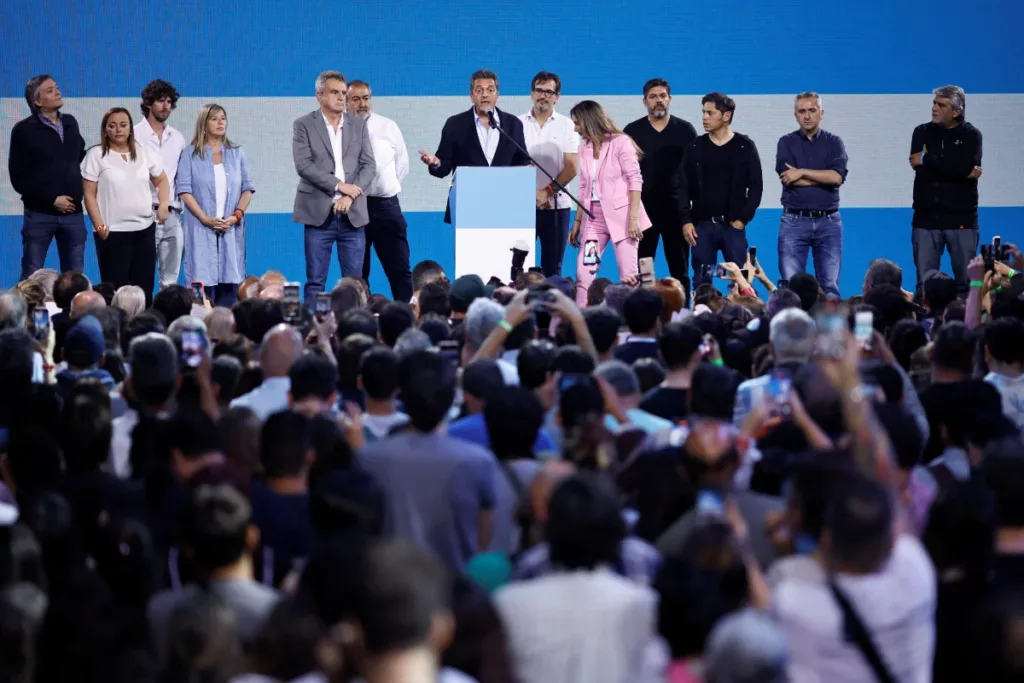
[560,186]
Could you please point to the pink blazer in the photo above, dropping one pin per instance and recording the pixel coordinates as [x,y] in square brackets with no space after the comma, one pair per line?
[618,173]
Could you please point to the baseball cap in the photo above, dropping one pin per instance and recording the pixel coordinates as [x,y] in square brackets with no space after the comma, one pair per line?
[84,344]
[465,290]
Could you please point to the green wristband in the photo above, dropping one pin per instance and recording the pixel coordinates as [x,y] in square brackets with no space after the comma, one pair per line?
[505,325]
[718,361]
[977,283]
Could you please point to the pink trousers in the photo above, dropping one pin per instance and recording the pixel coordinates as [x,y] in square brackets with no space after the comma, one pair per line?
[593,240]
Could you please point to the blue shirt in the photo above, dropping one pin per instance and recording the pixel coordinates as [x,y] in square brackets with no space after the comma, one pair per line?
[59,126]
[474,429]
[824,152]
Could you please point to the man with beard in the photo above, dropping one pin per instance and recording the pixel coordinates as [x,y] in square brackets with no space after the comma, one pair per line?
[662,138]
[553,143]
[386,231]
[159,99]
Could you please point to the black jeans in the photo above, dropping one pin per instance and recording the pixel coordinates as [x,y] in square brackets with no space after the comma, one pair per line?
[553,233]
[129,258]
[386,232]
[665,224]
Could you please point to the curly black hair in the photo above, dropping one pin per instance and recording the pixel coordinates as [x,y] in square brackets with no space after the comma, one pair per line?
[156,90]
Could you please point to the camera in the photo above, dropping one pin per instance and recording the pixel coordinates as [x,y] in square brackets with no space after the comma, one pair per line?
[323,305]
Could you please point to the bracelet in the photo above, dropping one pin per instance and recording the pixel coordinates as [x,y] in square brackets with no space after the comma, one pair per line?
[1011,272]
[551,191]
[718,362]
[748,291]
[977,283]
[98,228]
[505,325]
[239,212]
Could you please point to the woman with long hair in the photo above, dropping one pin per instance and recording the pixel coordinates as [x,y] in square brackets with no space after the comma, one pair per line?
[116,176]
[215,186]
[610,185]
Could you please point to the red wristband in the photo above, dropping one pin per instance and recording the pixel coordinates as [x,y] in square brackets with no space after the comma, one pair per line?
[748,291]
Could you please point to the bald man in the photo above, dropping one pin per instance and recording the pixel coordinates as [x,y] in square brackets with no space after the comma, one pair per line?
[86,301]
[281,347]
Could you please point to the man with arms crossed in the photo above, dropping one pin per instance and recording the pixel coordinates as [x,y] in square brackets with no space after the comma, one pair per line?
[663,138]
[159,99]
[468,139]
[811,162]
[946,155]
[720,188]
[553,143]
[386,231]
[46,150]
[334,159]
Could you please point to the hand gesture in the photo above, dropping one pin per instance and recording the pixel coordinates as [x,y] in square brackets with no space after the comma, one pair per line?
[976,268]
[342,204]
[350,190]
[791,175]
[690,234]
[518,310]
[975,173]
[564,307]
[542,198]
[102,231]
[210,222]
[64,204]
[739,225]
[1016,259]
[429,159]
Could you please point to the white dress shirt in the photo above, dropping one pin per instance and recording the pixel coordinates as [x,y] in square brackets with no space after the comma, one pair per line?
[487,135]
[549,144]
[335,135]
[390,154]
[578,627]
[169,146]
[266,399]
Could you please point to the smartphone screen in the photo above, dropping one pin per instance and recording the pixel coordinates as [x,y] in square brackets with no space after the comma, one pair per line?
[782,284]
[193,347]
[780,386]
[590,255]
[863,328]
[291,291]
[197,292]
[831,339]
[753,255]
[720,271]
[323,305]
[40,323]
[710,504]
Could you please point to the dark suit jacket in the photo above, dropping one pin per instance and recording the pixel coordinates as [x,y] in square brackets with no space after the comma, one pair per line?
[460,146]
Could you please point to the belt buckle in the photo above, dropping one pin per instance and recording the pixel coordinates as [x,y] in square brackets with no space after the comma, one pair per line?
[718,219]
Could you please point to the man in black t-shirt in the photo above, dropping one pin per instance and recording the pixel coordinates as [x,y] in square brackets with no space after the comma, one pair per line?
[720,188]
[663,138]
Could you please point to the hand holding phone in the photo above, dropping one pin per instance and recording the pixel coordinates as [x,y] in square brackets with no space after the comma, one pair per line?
[864,328]
[323,305]
[197,292]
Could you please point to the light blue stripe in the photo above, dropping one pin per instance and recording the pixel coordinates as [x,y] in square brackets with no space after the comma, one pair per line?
[275,242]
[272,49]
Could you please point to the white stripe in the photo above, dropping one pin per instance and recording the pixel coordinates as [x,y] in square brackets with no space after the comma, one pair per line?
[875,128]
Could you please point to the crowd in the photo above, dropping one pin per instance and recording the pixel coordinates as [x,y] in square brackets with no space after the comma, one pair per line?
[496,484]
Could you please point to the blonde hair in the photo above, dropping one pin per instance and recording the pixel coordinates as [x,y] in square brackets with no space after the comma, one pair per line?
[199,139]
[595,125]
[105,141]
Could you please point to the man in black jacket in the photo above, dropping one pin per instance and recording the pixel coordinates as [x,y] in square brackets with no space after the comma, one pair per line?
[46,150]
[468,139]
[946,155]
[720,188]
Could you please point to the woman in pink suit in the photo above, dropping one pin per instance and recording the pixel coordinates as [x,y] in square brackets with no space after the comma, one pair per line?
[610,185]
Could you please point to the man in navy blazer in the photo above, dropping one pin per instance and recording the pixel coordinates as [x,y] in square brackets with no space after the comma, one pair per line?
[468,139]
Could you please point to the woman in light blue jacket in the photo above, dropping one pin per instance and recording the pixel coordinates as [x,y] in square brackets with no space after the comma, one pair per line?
[215,186]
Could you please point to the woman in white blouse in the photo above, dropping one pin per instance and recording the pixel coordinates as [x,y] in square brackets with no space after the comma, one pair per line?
[117,174]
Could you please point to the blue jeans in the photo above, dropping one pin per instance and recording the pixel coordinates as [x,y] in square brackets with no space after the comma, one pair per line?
[320,241]
[553,233]
[38,231]
[929,244]
[712,238]
[823,237]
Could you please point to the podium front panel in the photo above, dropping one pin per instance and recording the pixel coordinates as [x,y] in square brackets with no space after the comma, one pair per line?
[492,209]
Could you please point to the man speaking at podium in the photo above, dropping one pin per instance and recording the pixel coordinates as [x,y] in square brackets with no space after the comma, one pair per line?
[470,139]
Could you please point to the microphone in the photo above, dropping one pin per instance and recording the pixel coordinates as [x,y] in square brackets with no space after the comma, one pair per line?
[490,118]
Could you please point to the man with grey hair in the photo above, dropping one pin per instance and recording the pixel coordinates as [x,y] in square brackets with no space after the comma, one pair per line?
[811,163]
[946,157]
[791,338]
[46,150]
[626,387]
[746,647]
[281,347]
[412,339]
[13,309]
[334,159]
[482,317]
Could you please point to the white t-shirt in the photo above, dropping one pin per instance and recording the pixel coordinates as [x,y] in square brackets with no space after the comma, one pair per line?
[1012,391]
[896,604]
[124,196]
[220,188]
[549,145]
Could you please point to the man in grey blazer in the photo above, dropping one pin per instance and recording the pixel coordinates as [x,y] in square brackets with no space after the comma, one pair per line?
[334,159]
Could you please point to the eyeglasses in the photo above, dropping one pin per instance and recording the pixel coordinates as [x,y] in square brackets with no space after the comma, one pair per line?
[543,91]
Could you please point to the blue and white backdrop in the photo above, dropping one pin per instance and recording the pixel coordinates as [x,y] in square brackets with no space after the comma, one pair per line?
[874,61]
